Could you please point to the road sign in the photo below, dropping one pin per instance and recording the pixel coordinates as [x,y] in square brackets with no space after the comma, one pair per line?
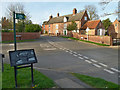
[20,16]
[22,57]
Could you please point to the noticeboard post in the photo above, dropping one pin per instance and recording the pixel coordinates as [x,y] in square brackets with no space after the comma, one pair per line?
[22,57]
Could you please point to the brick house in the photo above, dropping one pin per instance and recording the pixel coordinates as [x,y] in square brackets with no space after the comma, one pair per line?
[114,29]
[59,24]
[95,28]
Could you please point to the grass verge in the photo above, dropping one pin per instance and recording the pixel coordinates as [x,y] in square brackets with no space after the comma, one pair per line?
[96,82]
[86,41]
[19,41]
[24,78]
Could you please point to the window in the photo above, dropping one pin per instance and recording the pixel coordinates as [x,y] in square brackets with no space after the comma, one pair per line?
[65,19]
[56,26]
[115,25]
[85,18]
[49,25]
[65,26]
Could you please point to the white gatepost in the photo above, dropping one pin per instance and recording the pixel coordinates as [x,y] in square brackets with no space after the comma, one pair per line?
[87,32]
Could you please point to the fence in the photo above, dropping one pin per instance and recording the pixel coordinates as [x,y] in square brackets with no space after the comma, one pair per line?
[8,36]
[98,39]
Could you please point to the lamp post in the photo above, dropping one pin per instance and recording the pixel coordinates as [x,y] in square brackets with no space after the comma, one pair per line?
[87,32]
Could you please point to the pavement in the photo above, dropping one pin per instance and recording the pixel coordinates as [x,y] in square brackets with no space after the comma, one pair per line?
[58,57]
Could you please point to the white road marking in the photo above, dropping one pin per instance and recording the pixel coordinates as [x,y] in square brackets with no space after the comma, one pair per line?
[85,57]
[79,54]
[70,50]
[88,61]
[74,55]
[60,48]
[103,64]
[10,50]
[11,44]
[80,57]
[114,69]
[96,65]
[109,71]
[50,49]
[66,51]
[75,52]
[93,60]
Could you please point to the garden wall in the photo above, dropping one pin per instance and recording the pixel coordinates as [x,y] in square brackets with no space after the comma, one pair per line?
[8,36]
[98,39]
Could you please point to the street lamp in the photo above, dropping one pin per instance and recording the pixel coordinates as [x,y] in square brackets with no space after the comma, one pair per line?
[87,32]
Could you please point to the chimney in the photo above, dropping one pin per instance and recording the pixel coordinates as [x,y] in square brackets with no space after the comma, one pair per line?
[50,17]
[57,14]
[74,11]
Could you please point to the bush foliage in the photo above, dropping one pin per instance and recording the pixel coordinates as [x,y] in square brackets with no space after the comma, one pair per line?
[32,28]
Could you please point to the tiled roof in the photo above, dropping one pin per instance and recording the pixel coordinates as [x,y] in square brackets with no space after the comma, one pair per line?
[70,18]
[91,24]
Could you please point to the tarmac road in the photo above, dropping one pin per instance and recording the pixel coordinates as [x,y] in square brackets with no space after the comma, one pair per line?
[63,55]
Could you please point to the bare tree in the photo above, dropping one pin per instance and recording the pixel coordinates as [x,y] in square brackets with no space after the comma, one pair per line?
[92,12]
[105,3]
[18,8]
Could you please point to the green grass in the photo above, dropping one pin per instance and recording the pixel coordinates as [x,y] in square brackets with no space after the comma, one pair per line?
[24,78]
[85,41]
[19,41]
[96,82]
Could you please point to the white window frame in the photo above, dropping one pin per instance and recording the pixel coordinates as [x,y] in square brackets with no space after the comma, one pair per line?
[85,18]
[56,26]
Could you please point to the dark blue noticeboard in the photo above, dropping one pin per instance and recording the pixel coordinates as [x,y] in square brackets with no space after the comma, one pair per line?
[22,57]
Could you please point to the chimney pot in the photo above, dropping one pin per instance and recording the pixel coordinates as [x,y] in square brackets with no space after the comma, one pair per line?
[74,11]
[57,14]
[50,17]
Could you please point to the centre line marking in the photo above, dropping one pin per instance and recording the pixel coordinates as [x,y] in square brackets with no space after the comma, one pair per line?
[79,54]
[114,69]
[108,71]
[96,65]
[75,52]
[74,55]
[80,57]
[88,61]
[93,60]
[103,64]
[66,51]
[85,57]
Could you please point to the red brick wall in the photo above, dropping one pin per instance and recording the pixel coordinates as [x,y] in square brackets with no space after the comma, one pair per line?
[24,36]
[98,39]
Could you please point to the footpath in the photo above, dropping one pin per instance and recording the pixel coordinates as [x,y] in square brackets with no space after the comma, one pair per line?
[63,79]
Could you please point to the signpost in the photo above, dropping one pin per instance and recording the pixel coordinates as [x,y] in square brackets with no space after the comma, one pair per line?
[16,16]
[22,57]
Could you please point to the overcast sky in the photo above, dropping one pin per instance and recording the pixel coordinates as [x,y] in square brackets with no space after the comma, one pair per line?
[40,11]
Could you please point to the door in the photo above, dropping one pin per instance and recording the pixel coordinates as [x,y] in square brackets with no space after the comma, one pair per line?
[65,32]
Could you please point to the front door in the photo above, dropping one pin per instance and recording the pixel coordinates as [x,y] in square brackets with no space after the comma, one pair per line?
[65,32]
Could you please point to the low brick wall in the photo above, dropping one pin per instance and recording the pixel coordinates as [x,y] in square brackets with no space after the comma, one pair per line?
[23,36]
[98,39]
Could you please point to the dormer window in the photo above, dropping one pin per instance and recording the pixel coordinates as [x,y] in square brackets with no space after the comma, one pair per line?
[49,25]
[85,18]
[65,19]
[115,25]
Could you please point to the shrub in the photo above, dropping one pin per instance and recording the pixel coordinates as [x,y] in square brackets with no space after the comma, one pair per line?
[32,28]
[46,32]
